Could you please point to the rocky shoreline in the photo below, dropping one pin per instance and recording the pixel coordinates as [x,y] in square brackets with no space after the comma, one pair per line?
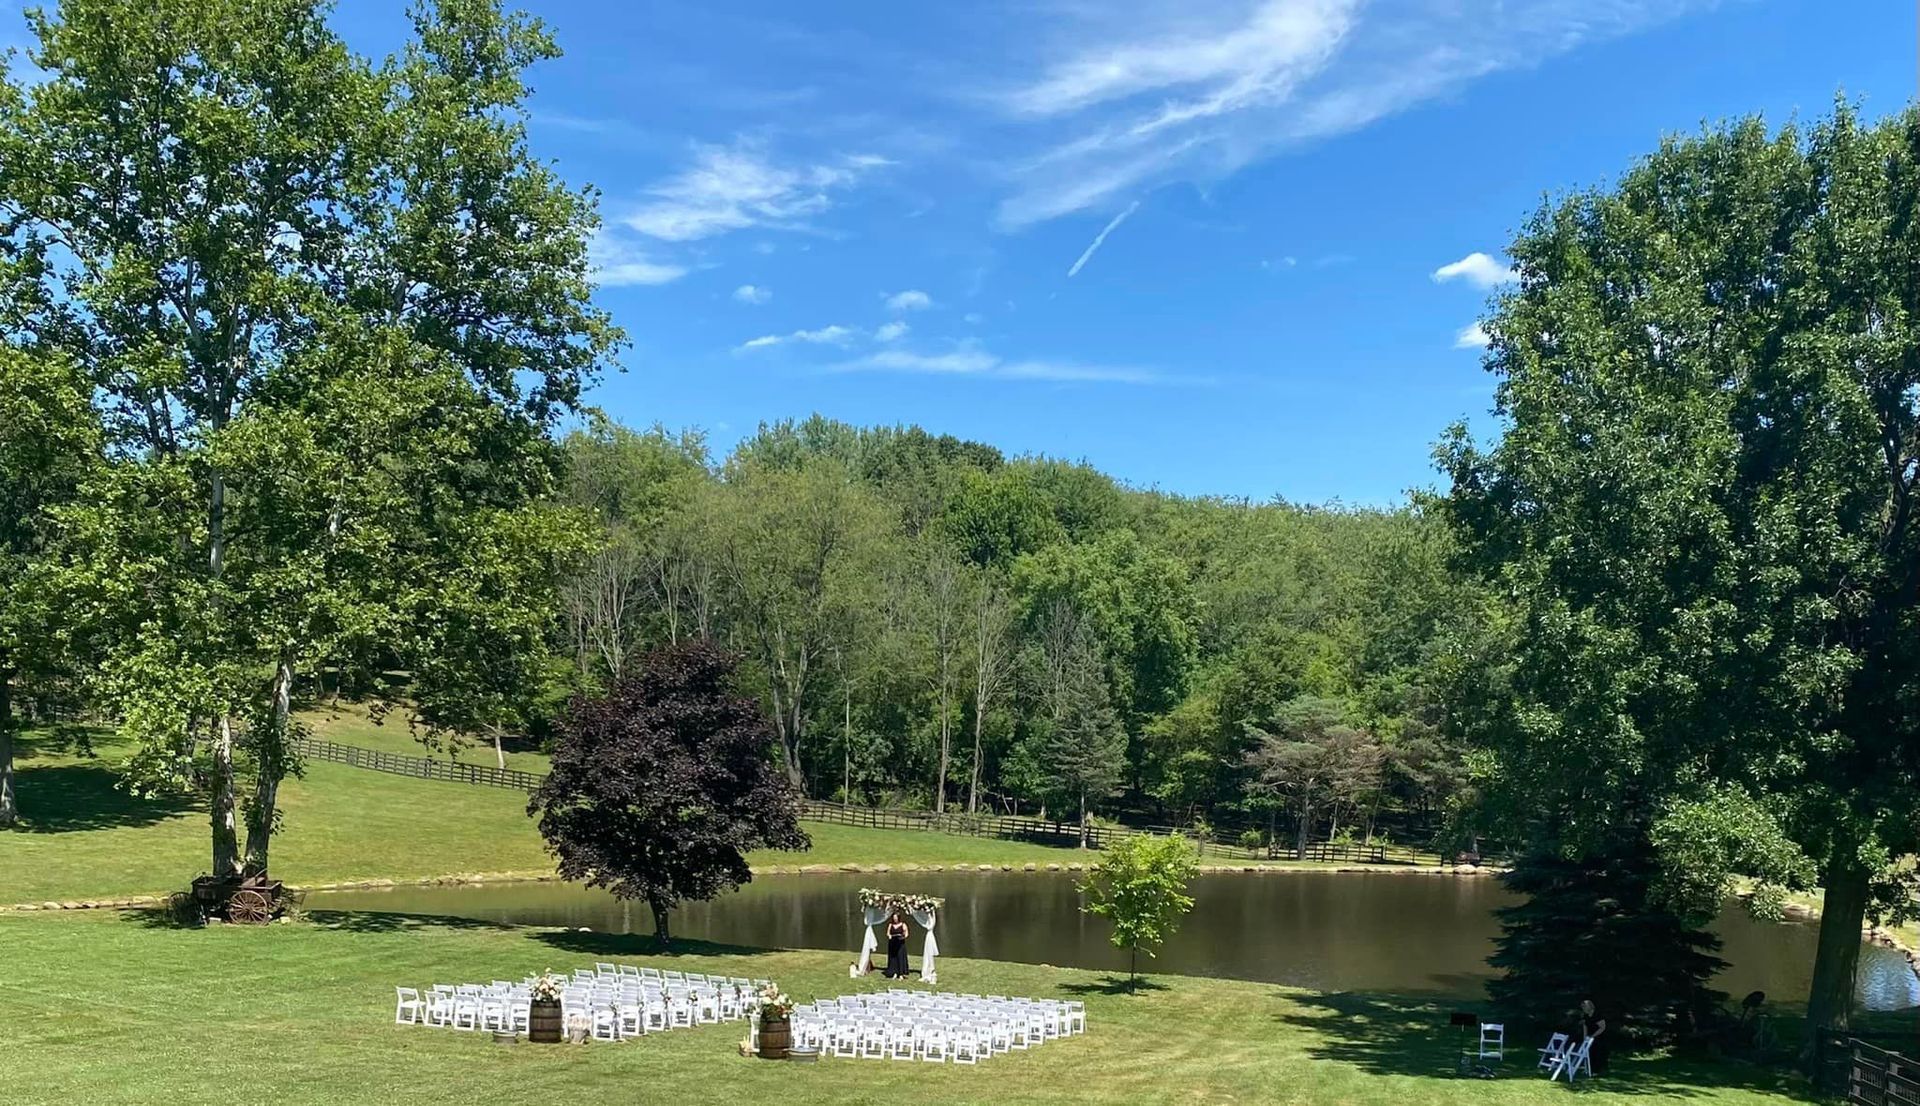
[133,902]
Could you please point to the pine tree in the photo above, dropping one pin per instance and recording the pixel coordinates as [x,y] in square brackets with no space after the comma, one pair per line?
[1589,928]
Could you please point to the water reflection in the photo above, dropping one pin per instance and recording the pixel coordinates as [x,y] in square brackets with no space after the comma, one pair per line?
[1408,934]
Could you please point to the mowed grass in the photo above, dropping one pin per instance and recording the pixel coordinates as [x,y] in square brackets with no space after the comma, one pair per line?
[353,724]
[106,1007]
[84,838]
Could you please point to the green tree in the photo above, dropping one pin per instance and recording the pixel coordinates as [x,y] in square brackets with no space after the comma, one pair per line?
[1075,752]
[1140,885]
[49,437]
[331,311]
[1701,513]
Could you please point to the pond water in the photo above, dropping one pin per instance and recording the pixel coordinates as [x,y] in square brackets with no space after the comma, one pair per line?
[1397,932]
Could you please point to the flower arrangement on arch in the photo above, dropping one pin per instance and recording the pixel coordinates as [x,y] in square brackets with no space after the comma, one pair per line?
[771,1000]
[547,988]
[898,900]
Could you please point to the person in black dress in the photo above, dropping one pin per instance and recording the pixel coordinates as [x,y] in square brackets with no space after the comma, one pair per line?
[1594,1028]
[897,947]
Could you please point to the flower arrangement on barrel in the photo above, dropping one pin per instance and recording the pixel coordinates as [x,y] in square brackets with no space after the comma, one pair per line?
[772,1010]
[543,1015]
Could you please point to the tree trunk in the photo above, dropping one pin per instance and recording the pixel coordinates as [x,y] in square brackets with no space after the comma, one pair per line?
[1133,961]
[9,808]
[1837,954]
[1300,832]
[226,833]
[499,753]
[846,741]
[946,745]
[1083,819]
[226,836]
[273,757]
[660,911]
[973,781]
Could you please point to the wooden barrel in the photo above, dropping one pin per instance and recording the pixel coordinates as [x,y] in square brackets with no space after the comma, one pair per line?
[776,1036]
[543,1023]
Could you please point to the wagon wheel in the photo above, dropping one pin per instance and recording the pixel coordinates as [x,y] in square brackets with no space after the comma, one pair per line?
[250,907]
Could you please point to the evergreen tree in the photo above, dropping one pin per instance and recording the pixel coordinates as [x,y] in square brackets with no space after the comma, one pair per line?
[1591,927]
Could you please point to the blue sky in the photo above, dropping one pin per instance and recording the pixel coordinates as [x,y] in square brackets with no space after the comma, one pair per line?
[1194,242]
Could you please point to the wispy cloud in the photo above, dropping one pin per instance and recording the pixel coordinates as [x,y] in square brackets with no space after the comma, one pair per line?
[616,263]
[1183,91]
[891,332]
[827,335]
[1477,269]
[1472,337]
[1094,246]
[971,360]
[733,187]
[752,293]
[910,300]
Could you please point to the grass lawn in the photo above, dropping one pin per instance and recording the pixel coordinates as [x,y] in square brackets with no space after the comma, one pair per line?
[85,839]
[351,724]
[104,1007]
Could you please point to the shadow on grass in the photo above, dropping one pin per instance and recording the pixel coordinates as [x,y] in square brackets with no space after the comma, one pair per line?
[1383,1035]
[70,797]
[642,945]
[384,921]
[1113,985]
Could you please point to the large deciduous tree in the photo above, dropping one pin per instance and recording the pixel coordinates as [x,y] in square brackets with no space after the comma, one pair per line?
[330,310]
[1702,514]
[660,787]
[49,438]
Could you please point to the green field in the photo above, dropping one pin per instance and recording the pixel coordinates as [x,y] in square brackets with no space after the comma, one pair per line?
[86,839]
[105,1007]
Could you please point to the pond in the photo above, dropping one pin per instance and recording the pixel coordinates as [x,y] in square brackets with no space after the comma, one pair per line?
[1396,932]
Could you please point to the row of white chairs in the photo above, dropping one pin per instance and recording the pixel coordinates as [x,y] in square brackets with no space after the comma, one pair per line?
[932,1027]
[609,1003]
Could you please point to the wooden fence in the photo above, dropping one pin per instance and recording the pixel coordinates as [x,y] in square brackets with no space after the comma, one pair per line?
[1876,1077]
[426,768]
[1016,828]
[1009,827]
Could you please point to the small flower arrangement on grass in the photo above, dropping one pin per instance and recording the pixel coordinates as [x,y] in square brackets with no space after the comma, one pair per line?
[771,1001]
[548,988]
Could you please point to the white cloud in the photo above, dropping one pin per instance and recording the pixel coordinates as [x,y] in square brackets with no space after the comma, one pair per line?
[974,317]
[1173,90]
[616,264]
[1094,245]
[734,187]
[971,360]
[891,332]
[752,293]
[827,335]
[910,300]
[1472,337]
[1477,269]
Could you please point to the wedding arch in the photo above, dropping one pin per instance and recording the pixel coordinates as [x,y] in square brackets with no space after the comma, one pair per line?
[877,906]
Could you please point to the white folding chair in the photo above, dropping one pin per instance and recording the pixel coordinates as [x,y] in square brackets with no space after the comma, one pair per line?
[408,1009]
[1556,1047]
[440,1005]
[1573,1061]
[1077,1016]
[1493,1041]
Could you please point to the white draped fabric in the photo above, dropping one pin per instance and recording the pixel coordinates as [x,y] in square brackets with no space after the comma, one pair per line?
[873,916]
[926,920]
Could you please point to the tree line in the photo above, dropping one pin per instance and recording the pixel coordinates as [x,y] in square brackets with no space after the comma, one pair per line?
[294,346]
[931,622]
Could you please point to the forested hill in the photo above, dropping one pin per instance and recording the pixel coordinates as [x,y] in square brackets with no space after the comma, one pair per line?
[933,622]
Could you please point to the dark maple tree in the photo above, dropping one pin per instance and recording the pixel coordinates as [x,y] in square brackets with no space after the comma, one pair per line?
[662,785]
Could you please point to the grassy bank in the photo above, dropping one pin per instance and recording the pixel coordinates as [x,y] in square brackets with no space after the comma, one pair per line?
[86,839]
[104,1008]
